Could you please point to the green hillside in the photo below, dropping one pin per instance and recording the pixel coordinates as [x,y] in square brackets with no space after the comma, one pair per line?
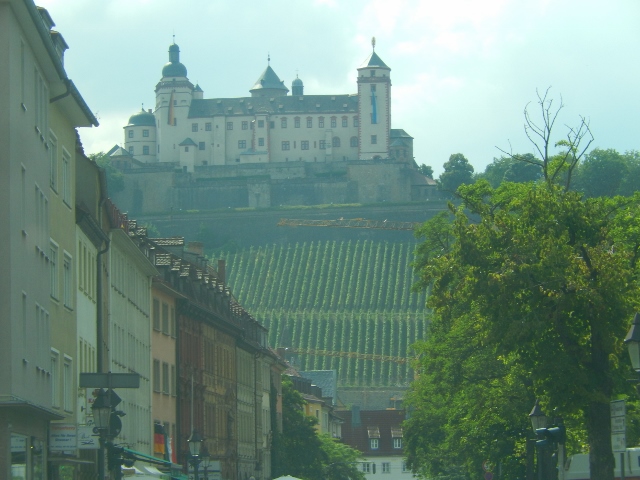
[350,298]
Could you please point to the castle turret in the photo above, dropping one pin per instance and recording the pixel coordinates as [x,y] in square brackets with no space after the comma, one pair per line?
[374,99]
[140,136]
[174,93]
[297,87]
[269,84]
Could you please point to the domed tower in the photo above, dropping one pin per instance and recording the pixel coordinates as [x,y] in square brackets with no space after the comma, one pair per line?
[374,107]
[297,87]
[174,93]
[140,136]
[269,84]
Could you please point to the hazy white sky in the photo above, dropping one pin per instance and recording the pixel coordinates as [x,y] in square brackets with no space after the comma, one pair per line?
[462,70]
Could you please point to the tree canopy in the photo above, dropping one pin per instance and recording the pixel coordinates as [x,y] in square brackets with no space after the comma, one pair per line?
[608,173]
[457,171]
[533,288]
[115,178]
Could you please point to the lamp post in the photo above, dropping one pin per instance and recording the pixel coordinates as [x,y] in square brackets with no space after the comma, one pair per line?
[206,462]
[101,410]
[538,421]
[195,443]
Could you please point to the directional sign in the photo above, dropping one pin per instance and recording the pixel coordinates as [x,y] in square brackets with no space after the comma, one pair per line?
[618,424]
[619,442]
[110,380]
[618,408]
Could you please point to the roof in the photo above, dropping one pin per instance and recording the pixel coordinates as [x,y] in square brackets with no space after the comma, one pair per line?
[187,141]
[399,133]
[326,380]
[304,105]
[142,118]
[374,61]
[270,80]
[174,69]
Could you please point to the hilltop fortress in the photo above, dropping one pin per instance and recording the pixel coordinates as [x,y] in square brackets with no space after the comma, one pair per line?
[268,149]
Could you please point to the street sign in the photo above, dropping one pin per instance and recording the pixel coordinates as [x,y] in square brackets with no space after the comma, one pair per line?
[619,442]
[110,380]
[618,424]
[618,408]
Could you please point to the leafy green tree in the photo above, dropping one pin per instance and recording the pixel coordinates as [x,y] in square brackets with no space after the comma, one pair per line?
[341,460]
[532,300]
[631,183]
[297,451]
[601,173]
[516,168]
[426,170]
[115,178]
[457,171]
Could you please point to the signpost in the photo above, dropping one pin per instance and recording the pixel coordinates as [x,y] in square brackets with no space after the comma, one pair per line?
[619,431]
[110,380]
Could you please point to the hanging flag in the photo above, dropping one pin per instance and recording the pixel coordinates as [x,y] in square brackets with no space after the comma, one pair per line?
[158,439]
[170,117]
[172,454]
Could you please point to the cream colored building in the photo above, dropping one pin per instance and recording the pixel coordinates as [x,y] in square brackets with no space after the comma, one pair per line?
[38,102]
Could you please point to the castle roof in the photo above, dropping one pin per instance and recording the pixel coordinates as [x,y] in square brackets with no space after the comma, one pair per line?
[142,118]
[187,142]
[269,79]
[174,68]
[304,105]
[374,61]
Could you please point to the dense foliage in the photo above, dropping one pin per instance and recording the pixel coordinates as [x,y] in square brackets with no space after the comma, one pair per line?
[301,452]
[457,171]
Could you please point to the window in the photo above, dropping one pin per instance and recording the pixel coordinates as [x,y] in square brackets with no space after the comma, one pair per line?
[55,379]
[405,469]
[261,142]
[242,144]
[172,320]
[165,318]
[145,150]
[335,141]
[156,314]
[321,122]
[272,124]
[333,122]
[304,145]
[229,125]
[130,133]
[131,150]
[345,122]
[296,122]
[373,74]
[145,133]
[186,149]
[283,123]
[165,379]
[173,380]
[66,177]
[366,467]
[374,139]
[53,269]
[309,122]
[322,144]
[156,376]
[67,381]
[386,467]
[374,443]
[245,125]
[286,145]
[67,281]
[397,443]
[260,123]
[200,145]
[194,127]
[207,126]
[53,162]
[355,122]
[354,141]
[373,88]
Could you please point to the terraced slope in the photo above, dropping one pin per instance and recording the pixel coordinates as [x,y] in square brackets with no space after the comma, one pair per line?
[351,299]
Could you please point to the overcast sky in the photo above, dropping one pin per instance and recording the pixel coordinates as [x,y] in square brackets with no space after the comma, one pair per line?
[462,70]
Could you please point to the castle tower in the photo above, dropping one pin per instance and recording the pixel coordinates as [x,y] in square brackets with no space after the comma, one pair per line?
[297,87]
[374,107]
[269,84]
[174,93]
[140,136]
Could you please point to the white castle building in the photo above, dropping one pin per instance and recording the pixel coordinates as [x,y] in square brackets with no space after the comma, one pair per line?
[270,134]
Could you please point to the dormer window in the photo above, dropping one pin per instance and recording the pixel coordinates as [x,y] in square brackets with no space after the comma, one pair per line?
[374,443]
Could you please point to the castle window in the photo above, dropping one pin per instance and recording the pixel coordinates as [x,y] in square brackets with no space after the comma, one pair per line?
[194,127]
[245,125]
[242,144]
[283,123]
[322,145]
[296,122]
[373,73]
[200,145]
[335,141]
[229,125]
[286,145]
[334,123]
[260,123]
[207,126]
[272,124]
[130,133]
[186,149]
[355,122]
[145,150]
[374,139]
[345,122]
[304,145]
[354,141]
[145,133]
[309,122]
[131,150]
[261,142]
[321,122]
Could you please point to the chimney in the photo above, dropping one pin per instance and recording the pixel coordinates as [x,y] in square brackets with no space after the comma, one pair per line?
[222,271]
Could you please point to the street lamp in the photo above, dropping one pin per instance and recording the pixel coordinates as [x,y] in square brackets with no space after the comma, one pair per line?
[195,443]
[538,421]
[101,410]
